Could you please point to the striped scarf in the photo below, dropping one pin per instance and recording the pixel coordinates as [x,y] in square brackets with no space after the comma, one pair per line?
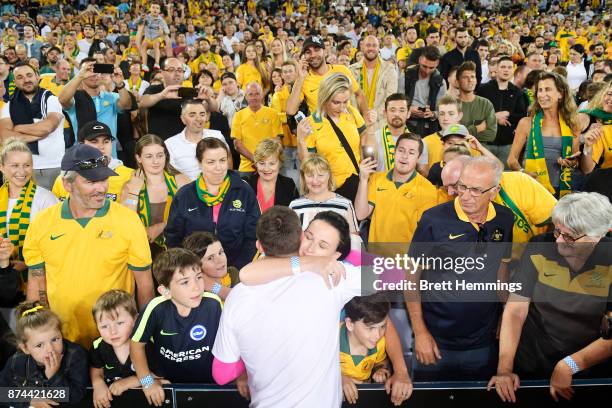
[212,199]
[534,155]
[144,205]
[20,216]
[369,88]
[389,146]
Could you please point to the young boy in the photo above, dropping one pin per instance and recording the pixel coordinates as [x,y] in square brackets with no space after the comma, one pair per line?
[362,344]
[99,135]
[111,369]
[155,28]
[181,324]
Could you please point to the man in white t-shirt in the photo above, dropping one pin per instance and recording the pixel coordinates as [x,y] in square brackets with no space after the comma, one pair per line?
[86,43]
[34,115]
[285,332]
[182,147]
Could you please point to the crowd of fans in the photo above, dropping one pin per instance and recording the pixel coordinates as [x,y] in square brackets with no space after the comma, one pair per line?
[211,152]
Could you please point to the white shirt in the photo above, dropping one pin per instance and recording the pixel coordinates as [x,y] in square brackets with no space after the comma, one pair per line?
[84,47]
[227,43]
[387,53]
[286,332]
[140,91]
[484,66]
[43,198]
[183,152]
[576,74]
[52,147]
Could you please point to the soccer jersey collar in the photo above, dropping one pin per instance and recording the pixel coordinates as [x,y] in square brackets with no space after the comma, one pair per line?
[398,185]
[345,348]
[67,214]
[463,216]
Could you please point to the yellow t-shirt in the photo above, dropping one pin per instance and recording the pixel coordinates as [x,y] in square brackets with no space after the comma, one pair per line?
[246,73]
[398,208]
[47,81]
[279,103]
[115,184]
[324,141]
[252,127]
[360,367]
[83,258]
[207,58]
[310,89]
[531,199]
[603,148]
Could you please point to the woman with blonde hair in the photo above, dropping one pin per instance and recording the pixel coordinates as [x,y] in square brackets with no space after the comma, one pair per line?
[278,53]
[596,124]
[336,131]
[152,187]
[549,135]
[20,198]
[318,187]
[271,187]
[251,69]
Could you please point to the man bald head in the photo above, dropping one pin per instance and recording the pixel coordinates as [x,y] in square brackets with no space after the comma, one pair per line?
[451,173]
[254,95]
[370,48]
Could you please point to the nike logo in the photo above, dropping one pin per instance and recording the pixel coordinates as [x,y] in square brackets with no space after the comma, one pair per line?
[549,274]
[381,189]
[192,209]
[451,236]
[163,333]
[54,237]
[107,367]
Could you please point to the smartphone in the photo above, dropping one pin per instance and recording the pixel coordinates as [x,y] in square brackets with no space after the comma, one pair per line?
[422,109]
[368,152]
[574,156]
[299,116]
[187,93]
[103,68]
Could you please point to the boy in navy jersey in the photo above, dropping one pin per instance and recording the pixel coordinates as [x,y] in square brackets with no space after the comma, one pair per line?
[111,370]
[181,324]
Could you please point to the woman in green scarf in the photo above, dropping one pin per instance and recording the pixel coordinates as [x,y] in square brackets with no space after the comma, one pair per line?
[596,123]
[549,136]
[152,187]
[20,198]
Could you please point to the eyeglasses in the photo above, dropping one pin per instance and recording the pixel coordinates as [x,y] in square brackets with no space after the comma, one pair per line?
[89,164]
[474,191]
[566,237]
[173,70]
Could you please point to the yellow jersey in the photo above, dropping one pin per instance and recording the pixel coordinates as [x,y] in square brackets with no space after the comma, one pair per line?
[252,127]
[360,367]
[310,88]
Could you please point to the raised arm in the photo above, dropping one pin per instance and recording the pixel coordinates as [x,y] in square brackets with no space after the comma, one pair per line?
[520,138]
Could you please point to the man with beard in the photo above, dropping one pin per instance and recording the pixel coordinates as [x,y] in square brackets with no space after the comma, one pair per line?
[35,116]
[396,113]
[63,240]
[478,112]
[433,39]
[31,44]
[397,198]
[377,78]
[460,54]
[313,69]
[410,45]
[52,55]
[86,43]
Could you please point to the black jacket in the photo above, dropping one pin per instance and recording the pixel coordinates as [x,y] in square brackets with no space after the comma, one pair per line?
[22,371]
[512,100]
[454,58]
[237,219]
[284,191]
[435,83]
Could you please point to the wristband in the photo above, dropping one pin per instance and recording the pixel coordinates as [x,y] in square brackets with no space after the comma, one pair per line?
[216,288]
[130,201]
[571,364]
[147,381]
[137,195]
[295,265]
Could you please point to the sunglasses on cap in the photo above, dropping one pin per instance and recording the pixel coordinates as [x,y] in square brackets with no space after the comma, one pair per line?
[89,164]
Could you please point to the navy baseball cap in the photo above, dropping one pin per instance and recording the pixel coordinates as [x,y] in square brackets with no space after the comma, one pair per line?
[312,41]
[88,162]
[93,129]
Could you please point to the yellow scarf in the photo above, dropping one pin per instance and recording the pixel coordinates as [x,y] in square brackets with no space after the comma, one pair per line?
[20,216]
[212,199]
[144,205]
[534,155]
[369,88]
[134,88]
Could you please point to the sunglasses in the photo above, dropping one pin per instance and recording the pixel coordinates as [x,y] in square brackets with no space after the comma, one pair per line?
[89,164]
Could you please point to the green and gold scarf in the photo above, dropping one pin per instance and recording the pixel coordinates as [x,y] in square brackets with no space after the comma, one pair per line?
[534,155]
[602,115]
[20,216]
[369,88]
[212,199]
[144,205]
[389,146]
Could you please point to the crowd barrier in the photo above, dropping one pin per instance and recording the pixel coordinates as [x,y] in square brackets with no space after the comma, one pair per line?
[451,394]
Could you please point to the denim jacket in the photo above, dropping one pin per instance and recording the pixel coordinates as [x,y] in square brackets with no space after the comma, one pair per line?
[22,371]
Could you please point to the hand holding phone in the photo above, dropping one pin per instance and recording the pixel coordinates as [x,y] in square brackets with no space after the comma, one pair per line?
[103,68]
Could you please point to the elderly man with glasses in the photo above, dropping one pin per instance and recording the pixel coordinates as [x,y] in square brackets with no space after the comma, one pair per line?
[463,247]
[550,327]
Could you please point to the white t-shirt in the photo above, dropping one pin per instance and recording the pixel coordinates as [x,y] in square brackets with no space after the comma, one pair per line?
[84,47]
[183,152]
[43,198]
[51,148]
[286,332]
[576,74]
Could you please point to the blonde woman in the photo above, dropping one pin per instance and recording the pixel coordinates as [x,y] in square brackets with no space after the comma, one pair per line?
[20,198]
[270,187]
[318,188]
[251,69]
[278,53]
[336,131]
